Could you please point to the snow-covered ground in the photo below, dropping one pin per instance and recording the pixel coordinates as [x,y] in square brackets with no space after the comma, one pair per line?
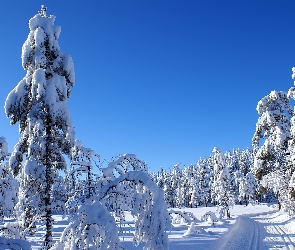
[252,227]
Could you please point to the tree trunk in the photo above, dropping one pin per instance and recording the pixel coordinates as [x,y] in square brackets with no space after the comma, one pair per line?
[47,192]
[227,213]
[277,198]
[89,177]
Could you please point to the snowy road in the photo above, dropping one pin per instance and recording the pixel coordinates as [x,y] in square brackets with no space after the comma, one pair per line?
[251,228]
[244,234]
[282,239]
[278,235]
[260,232]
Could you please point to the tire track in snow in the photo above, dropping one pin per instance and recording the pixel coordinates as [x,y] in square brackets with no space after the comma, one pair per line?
[256,241]
[243,235]
[286,239]
[277,235]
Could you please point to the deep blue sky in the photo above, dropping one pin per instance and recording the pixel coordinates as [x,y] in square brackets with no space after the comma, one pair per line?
[166,80]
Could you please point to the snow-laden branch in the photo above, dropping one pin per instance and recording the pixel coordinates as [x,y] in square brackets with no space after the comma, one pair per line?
[123,164]
[150,210]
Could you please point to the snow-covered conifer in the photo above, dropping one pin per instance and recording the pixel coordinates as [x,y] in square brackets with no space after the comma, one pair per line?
[273,126]
[39,104]
[195,192]
[221,184]
[169,192]
[186,183]
[204,176]
[247,188]
[176,175]
[291,170]
[160,178]
[246,160]
[8,184]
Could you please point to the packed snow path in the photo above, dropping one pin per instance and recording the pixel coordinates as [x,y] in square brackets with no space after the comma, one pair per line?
[259,232]
[258,227]
[278,233]
[244,234]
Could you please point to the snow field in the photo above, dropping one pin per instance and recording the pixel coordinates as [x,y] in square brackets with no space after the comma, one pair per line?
[251,227]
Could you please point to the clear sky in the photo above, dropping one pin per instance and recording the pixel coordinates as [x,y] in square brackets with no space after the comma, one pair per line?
[166,80]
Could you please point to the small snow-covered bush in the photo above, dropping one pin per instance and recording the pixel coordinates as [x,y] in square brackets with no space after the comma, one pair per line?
[179,219]
[193,230]
[12,230]
[210,217]
[182,217]
[91,228]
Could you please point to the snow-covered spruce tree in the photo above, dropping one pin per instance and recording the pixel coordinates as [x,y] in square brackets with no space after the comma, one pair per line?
[160,178]
[204,176]
[183,189]
[231,162]
[169,191]
[194,188]
[39,104]
[291,171]
[247,188]
[290,204]
[246,160]
[191,186]
[176,175]
[274,125]
[221,184]
[8,184]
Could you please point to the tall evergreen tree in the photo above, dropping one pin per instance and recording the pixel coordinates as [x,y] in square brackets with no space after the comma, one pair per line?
[274,126]
[247,188]
[204,178]
[39,104]
[169,192]
[221,184]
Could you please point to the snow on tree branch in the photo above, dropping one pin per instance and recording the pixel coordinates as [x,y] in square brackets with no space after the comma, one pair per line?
[152,218]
